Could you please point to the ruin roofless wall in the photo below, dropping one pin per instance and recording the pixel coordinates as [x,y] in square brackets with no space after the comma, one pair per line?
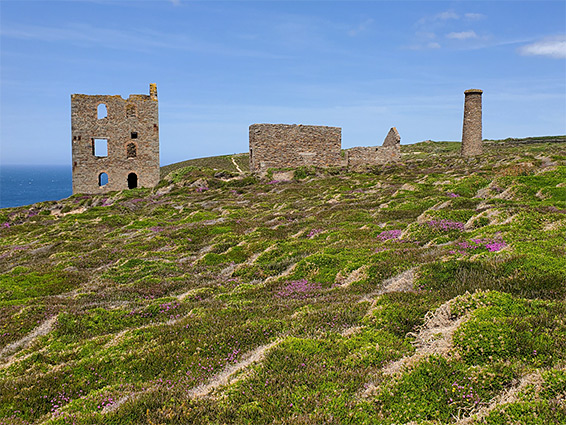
[282,145]
[374,155]
[115,142]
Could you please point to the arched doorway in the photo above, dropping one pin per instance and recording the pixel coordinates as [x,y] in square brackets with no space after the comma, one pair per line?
[132,181]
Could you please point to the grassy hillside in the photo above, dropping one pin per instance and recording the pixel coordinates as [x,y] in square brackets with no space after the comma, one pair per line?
[428,292]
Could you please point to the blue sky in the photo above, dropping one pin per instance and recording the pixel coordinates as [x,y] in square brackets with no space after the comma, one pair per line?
[223,65]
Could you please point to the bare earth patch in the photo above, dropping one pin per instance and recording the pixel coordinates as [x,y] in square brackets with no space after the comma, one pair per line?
[508,396]
[223,378]
[434,337]
[41,330]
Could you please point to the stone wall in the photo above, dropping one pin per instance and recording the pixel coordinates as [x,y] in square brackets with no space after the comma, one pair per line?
[282,145]
[363,156]
[131,131]
[389,152]
[472,127]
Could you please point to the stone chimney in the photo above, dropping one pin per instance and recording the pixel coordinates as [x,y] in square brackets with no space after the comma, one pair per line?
[472,128]
[153,91]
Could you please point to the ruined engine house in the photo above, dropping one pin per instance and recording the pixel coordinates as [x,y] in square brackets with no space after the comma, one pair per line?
[115,142]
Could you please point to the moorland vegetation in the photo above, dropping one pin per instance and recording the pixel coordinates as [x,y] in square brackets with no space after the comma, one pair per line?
[430,292]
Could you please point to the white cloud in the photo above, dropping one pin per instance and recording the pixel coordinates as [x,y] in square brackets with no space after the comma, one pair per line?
[126,39]
[474,16]
[425,35]
[433,45]
[554,48]
[175,2]
[439,17]
[449,14]
[464,35]
[360,28]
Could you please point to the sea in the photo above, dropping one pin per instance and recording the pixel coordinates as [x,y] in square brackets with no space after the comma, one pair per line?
[28,184]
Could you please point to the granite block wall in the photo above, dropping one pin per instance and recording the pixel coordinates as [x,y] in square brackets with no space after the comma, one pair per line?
[282,145]
[390,151]
[129,128]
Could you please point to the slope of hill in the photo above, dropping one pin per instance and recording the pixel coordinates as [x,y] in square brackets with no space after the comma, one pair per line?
[431,291]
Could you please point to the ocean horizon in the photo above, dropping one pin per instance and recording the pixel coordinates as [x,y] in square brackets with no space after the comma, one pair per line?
[27,184]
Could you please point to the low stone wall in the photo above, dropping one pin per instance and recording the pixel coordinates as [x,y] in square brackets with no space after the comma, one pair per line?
[283,145]
[374,155]
[362,156]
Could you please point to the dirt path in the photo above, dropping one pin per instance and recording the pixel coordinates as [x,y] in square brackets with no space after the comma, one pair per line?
[434,337]
[41,330]
[511,395]
[223,377]
[236,165]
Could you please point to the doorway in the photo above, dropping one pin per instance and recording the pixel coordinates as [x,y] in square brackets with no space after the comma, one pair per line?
[132,181]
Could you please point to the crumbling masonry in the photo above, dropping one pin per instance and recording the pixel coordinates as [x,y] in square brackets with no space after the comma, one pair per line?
[115,142]
[472,127]
[390,151]
[282,145]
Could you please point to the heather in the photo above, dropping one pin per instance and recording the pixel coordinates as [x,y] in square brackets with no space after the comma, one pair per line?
[431,291]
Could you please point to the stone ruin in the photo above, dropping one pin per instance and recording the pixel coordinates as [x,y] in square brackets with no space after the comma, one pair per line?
[283,145]
[115,142]
[472,126]
[390,151]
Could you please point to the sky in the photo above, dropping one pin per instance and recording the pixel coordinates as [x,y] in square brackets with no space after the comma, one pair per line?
[221,66]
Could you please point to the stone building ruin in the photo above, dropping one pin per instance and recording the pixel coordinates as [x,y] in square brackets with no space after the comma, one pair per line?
[115,142]
[390,151]
[283,145]
[472,126]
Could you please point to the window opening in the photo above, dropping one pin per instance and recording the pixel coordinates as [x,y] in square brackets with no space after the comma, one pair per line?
[102,179]
[100,147]
[131,150]
[134,135]
[132,181]
[102,111]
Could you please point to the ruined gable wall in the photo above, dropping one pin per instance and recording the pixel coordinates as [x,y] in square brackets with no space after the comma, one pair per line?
[374,155]
[137,114]
[282,145]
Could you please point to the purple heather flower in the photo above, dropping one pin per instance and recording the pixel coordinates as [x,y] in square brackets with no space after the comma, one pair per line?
[446,225]
[314,232]
[299,289]
[389,234]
